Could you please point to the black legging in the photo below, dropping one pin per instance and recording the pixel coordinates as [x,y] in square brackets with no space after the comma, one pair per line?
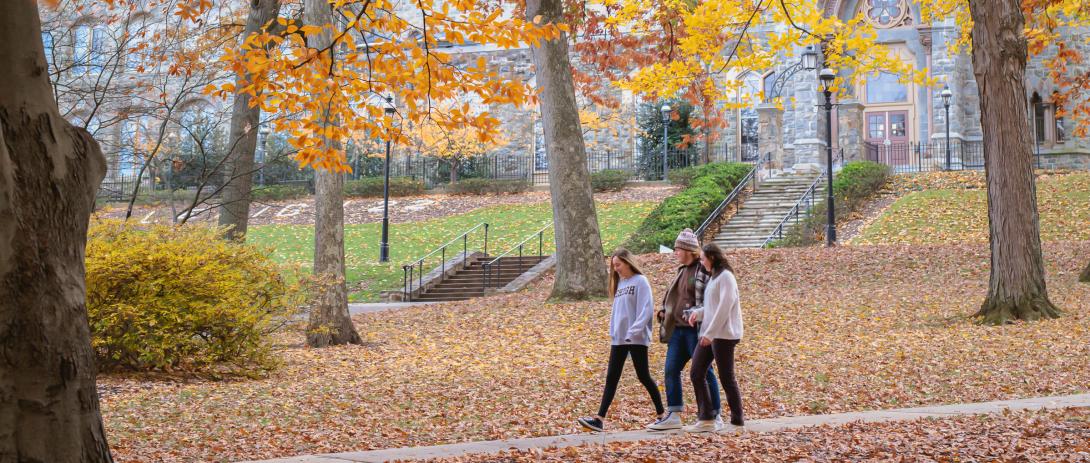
[722,351]
[617,355]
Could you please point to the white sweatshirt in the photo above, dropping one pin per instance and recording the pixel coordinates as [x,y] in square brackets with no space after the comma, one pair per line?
[722,313]
[630,322]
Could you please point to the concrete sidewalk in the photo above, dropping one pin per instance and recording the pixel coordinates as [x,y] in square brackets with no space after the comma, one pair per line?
[372,307]
[765,425]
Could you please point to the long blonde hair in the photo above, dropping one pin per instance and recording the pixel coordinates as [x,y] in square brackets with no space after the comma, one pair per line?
[614,277]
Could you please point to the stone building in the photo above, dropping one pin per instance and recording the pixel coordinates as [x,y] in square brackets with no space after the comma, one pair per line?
[903,125]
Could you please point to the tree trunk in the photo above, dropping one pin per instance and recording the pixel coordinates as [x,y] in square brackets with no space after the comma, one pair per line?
[580,270]
[49,174]
[245,121]
[1085,277]
[1016,289]
[455,164]
[330,322]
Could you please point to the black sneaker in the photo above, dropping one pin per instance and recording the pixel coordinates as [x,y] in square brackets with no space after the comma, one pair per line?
[591,423]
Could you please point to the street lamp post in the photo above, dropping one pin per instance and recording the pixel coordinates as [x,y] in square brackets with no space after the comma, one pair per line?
[665,138]
[946,94]
[827,76]
[384,245]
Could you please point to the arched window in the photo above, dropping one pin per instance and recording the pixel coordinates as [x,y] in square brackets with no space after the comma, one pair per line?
[1048,127]
[1038,117]
[885,14]
[767,83]
[1059,132]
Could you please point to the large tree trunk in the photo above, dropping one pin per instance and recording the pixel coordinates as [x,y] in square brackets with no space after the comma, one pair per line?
[245,121]
[1016,289]
[580,266]
[330,322]
[49,174]
[1085,277]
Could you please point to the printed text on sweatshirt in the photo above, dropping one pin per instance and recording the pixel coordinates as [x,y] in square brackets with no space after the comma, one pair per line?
[630,322]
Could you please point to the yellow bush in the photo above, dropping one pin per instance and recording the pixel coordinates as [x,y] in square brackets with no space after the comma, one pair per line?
[163,298]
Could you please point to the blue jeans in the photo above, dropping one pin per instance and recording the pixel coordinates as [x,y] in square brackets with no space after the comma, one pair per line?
[679,350]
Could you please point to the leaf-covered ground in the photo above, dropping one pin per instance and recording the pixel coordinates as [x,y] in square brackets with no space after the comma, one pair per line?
[509,225]
[1036,436]
[953,207]
[827,330]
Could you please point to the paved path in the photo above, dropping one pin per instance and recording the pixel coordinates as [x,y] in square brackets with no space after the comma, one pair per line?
[766,425]
[356,308]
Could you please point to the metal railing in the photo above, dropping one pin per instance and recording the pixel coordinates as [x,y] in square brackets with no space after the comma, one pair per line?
[731,198]
[410,270]
[796,212]
[930,156]
[498,264]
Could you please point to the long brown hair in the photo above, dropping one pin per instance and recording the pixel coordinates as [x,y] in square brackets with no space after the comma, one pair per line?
[614,277]
[718,259]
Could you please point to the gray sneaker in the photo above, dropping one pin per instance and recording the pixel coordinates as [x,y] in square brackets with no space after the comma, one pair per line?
[701,426]
[668,422]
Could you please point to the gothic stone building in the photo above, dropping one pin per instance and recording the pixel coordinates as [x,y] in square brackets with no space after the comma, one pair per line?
[895,123]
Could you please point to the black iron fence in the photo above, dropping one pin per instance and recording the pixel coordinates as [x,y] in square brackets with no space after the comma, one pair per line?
[642,164]
[927,156]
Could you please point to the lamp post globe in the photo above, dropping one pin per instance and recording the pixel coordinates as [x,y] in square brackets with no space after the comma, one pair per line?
[826,77]
[809,58]
[384,245]
[665,109]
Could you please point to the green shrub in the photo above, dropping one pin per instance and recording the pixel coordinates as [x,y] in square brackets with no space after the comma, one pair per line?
[609,180]
[852,187]
[709,186]
[483,186]
[370,187]
[858,181]
[182,299]
[279,192]
[682,177]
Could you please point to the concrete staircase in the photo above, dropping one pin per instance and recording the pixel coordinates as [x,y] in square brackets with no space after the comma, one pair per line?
[762,212]
[469,282]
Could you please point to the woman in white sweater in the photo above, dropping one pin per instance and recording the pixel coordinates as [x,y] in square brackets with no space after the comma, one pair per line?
[629,333]
[719,334]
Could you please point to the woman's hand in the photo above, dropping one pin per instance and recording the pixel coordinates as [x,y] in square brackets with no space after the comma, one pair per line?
[705,342]
[661,314]
[692,319]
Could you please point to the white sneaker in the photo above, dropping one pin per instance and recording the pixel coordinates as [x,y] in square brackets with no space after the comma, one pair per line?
[718,422]
[701,426]
[669,421]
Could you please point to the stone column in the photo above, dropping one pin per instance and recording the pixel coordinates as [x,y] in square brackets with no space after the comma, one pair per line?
[807,132]
[850,137]
[770,141]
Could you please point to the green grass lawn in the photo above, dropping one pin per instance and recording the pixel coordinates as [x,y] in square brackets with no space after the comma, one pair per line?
[955,215]
[508,224]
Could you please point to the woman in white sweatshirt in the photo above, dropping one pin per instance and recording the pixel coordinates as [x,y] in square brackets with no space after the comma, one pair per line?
[629,332]
[719,334]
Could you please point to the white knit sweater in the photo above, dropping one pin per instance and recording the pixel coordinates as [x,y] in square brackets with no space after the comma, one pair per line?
[722,312]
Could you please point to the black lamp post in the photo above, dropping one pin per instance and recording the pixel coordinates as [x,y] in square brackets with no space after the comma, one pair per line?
[665,138]
[384,246]
[946,94]
[827,76]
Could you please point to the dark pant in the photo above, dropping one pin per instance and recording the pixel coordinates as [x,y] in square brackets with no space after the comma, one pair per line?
[722,350]
[679,350]
[617,356]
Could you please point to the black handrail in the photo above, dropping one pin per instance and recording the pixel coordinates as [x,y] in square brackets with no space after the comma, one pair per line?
[540,235]
[808,198]
[409,270]
[737,191]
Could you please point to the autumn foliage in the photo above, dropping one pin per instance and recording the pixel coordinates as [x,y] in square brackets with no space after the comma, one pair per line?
[381,50]
[179,299]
